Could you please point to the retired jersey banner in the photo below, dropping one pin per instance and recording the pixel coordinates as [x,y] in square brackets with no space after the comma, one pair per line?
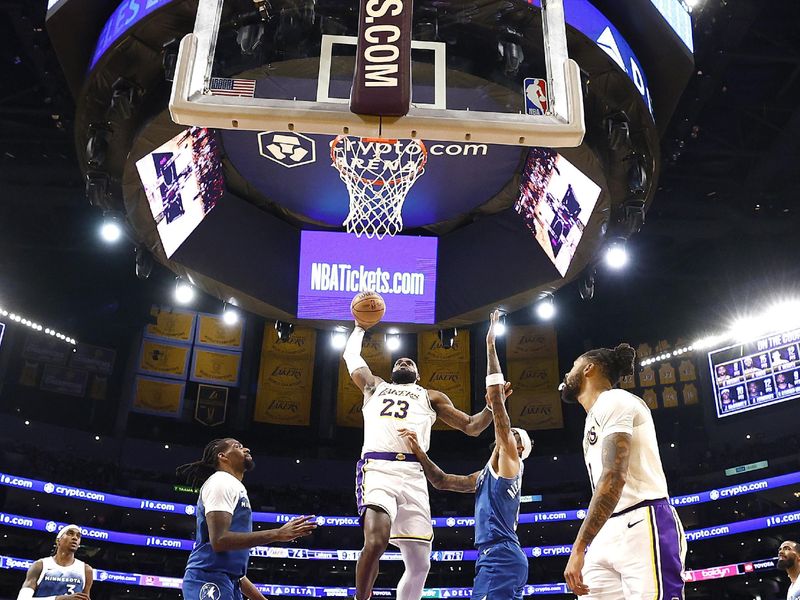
[531,341]
[285,377]
[216,366]
[171,324]
[156,396]
[213,331]
[164,360]
[40,348]
[212,405]
[349,399]
[94,359]
[534,376]
[446,370]
[63,380]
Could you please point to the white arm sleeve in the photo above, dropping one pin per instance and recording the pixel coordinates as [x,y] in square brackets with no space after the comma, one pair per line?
[219,495]
[352,351]
[26,593]
[616,414]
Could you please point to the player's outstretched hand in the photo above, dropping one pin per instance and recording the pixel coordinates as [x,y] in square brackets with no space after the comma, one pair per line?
[298,527]
[573,574]
[494,318]
[413,443]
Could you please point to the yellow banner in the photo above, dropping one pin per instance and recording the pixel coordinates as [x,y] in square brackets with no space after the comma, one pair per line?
[285,378]
[533,376]
[430,348]
[209,366]
[171,324]
[540,411]
[166,360]
[212,331]
[349,398]
[446,371]
[531,341]
[158,396]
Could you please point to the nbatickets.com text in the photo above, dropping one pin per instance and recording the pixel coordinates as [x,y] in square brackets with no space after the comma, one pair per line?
[326,277]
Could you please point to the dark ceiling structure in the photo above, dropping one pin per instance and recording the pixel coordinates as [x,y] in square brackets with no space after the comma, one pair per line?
[722,230]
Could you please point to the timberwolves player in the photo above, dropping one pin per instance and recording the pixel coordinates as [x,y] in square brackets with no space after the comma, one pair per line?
[789,561]
[502,567]
[62,575]
[637,543]
[391,490]
[218,563]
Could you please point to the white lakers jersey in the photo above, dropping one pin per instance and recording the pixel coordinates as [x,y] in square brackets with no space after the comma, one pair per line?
[395,406]
[618,411]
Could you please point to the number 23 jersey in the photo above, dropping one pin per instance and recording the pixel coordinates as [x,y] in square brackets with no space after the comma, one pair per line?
[394,406]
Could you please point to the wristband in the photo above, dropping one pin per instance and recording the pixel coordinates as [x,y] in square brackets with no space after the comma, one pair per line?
[495,379]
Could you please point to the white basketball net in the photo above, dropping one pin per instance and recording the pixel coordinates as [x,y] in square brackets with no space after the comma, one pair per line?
[378,174]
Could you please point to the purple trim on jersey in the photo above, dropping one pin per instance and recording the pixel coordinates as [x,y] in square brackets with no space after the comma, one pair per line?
[670,542]
[360,486]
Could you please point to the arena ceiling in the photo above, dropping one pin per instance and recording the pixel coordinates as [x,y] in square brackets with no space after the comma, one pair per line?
[721,231]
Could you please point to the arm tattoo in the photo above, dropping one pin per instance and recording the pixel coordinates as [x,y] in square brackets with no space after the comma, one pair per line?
[445,481]
[616,454]
[502,422]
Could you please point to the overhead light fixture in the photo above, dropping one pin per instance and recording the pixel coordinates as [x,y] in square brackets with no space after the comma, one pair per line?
[144,262]
[617,253]
[184,292]
[392,342]
[500,326]
[97,189]
[230,316]
[586,286]
[447,337]
[284,329]
[35,326]
[111,229]
[124,95]
[339,339]
[546,307]
[97,146]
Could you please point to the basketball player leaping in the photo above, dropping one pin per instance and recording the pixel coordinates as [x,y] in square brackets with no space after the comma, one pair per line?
[61,576]
[501,571]
[217,566]
[637,543]
[391,489]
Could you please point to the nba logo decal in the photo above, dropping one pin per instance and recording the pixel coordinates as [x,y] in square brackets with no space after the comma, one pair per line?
[535,96]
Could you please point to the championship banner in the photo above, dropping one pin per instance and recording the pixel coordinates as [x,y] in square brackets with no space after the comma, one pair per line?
[156,396]
[350,400]
[285,377]
[164,360]
[446,370]
[94,359]
[47,349]
[171,324]
[63,380]
[212,405]
[212,331]
[666,383]
[532,364]
[531,341]
[215,366]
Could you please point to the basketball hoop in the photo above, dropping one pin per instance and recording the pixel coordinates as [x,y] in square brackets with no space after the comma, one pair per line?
[378,174]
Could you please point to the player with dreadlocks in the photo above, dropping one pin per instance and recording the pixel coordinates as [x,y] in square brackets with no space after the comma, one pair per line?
[217,566]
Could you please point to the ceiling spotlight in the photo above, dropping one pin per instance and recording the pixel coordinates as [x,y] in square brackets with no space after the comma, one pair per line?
[546,308]
[500,326]
[617,253]
[111,229]
[144,262]
[586,286]
[230,316]
[339,339]
[97,146]
[97,189]
[392,342]
[284,329]
[448,337]
[184,292]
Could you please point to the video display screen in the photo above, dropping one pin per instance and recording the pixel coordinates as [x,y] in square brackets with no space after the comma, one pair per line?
[183,181]
[759,373]
[555,201]
[334,267]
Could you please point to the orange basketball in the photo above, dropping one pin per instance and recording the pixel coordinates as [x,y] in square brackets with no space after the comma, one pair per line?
[368,308]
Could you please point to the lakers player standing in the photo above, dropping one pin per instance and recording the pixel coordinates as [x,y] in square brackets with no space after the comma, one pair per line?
[391,489]
[61,576]
[637,543]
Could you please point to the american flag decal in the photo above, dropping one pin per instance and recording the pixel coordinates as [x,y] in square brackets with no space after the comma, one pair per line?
[232,87]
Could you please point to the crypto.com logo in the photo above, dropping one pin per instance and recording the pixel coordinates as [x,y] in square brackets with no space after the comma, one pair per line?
[287,149]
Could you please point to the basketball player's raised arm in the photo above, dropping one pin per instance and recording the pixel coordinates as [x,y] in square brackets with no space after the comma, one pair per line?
[359,371]
[223,540]
[472,425]
[508,459]
[438,478]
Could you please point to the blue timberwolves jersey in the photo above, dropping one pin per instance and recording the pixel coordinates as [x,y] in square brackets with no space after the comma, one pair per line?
[221,492]
[56,580]
[496,507]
